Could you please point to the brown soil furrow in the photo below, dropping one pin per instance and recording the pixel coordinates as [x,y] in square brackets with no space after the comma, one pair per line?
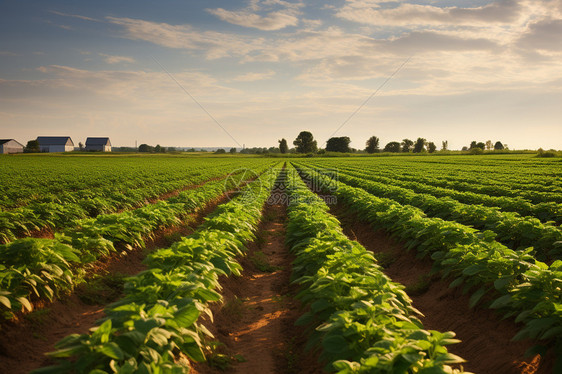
[256,317]
[25,340]
[486,338]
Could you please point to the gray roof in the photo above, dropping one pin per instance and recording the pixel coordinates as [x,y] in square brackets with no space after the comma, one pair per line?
[2,141]
[98,141]
[54,140]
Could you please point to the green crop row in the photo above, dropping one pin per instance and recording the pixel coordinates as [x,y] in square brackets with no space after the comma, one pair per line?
[62,210]
[156,323]
[44,267]
[547,211]
[72,179]
[521,286]
[363,322]
[534,192]
[533,189]
[513,230]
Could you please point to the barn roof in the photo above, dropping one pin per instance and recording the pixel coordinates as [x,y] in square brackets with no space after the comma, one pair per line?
[3,141]
[54,140]
[98,141]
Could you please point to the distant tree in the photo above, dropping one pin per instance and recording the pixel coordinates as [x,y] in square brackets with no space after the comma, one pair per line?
[305,143]
[481,145]
[464,149]
[489,145]
[220,151]
[372,145]
[392,147]
[498,146]
[420,145]
[472,144]
[145,148]
[431,147]
[283,147]
[407,145]
[340,144]
[232,150]
[444,145]
[158,148]
[172,149]
[80,146]
[32,147]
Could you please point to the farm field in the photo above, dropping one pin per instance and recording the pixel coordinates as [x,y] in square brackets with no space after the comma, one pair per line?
[161,264]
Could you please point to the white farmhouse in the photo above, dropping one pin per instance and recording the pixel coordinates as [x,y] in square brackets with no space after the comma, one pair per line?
[10,146]
[55,143]
[98,144]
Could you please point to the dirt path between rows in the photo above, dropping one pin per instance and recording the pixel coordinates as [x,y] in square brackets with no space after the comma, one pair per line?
[25,340]
[486,338]
[255,320]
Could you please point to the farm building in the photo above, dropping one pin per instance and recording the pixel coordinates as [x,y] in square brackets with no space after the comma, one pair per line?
[10,146]
[98,144]
[55,143]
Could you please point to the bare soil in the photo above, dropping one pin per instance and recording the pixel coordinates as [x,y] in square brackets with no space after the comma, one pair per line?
[255,320]
[486,338]
[25,339]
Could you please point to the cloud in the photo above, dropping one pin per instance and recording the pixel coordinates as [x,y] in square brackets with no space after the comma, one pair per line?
[545,35]
[271,21]
[75,16]
[215,44]
[8,53]
[126,85]
[430,41]
[408,14]
[277,15]
[116,59]
[252,77]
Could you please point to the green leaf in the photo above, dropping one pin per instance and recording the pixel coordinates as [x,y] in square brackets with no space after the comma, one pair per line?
[27,305]
[111,350]
[103,331]
[335,344]
[501,302]
[501,284]
[194,352]
[6,302]
[553,332]
[475,298]
[450,358]
[186,316]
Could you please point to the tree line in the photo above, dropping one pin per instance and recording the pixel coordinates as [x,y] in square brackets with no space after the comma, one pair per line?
[305,143]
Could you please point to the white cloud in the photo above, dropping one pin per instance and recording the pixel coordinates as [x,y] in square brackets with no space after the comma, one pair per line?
[277,14]
[408,14]
[75,16]
[545,34]
[8,53]
[252,77]
[110,59]
[215,44]
[271,21]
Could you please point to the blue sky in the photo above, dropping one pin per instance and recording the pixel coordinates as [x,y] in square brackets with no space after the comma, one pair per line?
[267,69]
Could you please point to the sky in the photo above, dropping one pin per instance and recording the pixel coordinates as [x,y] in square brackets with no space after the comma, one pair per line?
[247,73]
